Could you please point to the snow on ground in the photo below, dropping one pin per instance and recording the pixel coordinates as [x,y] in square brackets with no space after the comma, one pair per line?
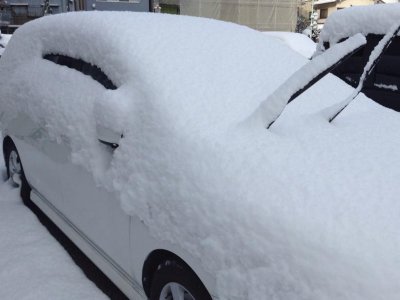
[305,211]
[300,43]
[32,264]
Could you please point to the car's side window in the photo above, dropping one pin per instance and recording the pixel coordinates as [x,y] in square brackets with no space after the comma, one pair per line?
[84,67]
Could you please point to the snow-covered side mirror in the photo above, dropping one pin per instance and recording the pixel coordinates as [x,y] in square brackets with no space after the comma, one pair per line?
[271,108]
[108,136]
[110,112]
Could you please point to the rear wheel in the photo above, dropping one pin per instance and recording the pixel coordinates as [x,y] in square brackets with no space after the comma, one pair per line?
[15,171]
[174,281]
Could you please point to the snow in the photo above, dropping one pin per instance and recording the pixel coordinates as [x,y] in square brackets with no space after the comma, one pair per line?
[376,52]
[272,107]
[32,264]
[371,19]
[300,43]
[391,87]
[307,210]
[4,39]
[323,1]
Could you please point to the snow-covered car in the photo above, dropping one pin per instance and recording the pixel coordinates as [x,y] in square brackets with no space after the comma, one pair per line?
[164,148]
[300,43]
[373,22]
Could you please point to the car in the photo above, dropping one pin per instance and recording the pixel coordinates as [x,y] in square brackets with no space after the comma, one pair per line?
[383,83]
[166,149]
[300,43]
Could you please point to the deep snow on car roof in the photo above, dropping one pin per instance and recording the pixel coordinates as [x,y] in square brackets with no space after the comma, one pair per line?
[184,65]
[371,19]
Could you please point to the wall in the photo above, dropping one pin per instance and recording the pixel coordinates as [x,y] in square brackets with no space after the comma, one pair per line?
[135,5]
[259,14]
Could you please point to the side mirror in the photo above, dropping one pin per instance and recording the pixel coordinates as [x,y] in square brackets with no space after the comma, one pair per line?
[108,136]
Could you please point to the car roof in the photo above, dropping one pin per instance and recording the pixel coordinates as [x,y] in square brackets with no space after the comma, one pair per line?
[183,65]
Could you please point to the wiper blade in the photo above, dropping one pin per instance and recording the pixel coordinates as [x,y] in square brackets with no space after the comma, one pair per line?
[374,58]
[270,109]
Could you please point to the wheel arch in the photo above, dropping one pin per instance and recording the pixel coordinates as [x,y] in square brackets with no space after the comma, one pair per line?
[153,260]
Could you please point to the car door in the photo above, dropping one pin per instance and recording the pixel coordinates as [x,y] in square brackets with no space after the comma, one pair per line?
[93,211]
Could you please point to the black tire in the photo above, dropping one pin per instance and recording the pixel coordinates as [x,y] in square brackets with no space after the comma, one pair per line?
[25,189]
[174,272]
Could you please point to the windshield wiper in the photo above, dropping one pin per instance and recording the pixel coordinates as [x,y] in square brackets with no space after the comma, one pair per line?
[270,109]
[374,58]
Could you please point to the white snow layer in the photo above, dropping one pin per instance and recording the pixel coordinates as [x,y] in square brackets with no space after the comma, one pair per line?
[308,210]
[32,264]
[300,43]
[4,39]
[370,19]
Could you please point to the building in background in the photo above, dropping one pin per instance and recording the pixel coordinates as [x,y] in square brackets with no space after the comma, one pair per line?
[118,5]
[170,6]
[14,13]
[264,15]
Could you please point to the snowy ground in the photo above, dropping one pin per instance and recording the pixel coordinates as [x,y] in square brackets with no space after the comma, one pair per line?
[32,264]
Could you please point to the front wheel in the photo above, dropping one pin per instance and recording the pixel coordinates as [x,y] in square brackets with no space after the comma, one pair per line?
[174,281]
[15,171]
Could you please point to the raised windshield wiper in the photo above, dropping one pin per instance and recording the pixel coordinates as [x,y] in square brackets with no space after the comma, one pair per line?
[270,109]
[374,58]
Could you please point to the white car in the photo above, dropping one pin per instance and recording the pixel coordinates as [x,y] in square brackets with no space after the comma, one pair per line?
[300,43]
[144,138]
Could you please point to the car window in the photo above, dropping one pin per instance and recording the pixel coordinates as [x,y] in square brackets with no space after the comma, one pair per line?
[84,67]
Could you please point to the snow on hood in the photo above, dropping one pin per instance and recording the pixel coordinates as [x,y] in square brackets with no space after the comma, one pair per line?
[308,210]
[371,19]
[300,43]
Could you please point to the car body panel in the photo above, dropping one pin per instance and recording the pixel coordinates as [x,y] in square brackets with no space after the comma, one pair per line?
[105,263]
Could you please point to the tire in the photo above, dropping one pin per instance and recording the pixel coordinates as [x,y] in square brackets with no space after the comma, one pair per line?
[10,151]
[172,275]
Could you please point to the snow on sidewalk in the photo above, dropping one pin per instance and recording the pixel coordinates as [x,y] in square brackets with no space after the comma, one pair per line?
[32,264]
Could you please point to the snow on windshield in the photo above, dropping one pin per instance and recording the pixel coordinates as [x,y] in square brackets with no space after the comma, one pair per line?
[306,211]
[371,19]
